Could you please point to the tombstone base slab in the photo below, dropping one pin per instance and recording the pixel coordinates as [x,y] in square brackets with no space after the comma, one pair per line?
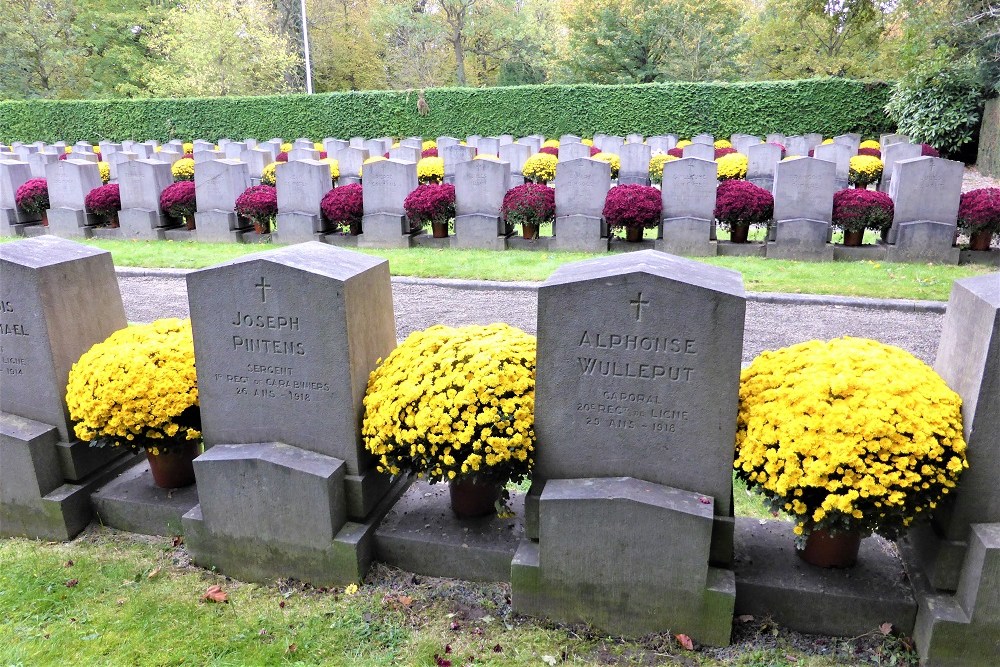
[179,234]
[137,223]
[592,564]
[730,249]
[939,559]
[134,503]
[964,628]
[771,580]
[428,241]
[362,493]
[78,459]
[480,231]
[345,560]
[420,534]
[218,227]
[298,227]
[617,244]
[871,253]
[338,239]
[801,239]
[517,242]
[113,233]
[924,241]
[15,216]
[687,236]
[985,257]
[385,230]
[579,233]
[71,223]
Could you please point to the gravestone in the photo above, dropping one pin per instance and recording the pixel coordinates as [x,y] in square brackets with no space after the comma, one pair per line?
[926,193]
[775,138]
[303,142]
[706,139]
[144,151]
[516,155]
[357,142]
[662,143]
[889,139]
[251,143]
[813,139]
[796,146]
[534,143]
[803,209]
[84,156]
[284,342]
[256,159]
[37,162]
[454,155]
[761,162]
[479,189]
[405,154]
[568,139]
[699,151]
[954,562]
[140,183]
[581,187]
[634,139]
[13,220]
[115,161]
[413,142]
[218,185]
[742,143]
[505,139]
[169,154]
[201,157]
[473,140]
[688,193]
[58,298]
[891,155]
[334,146]
[444,142]
[489,146]
[349,161]
[69,182]
[840,154]
[573,151]
[636,403]
[852,141]
[386,185]
[612,144]
[234,149]
[301,186]
[303,154]
[634,164]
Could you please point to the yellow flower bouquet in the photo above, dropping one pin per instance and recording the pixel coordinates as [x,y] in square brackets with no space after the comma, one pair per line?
[137,389]
[183,169]
[848,435]
[430,170]
[732,166]
[864,169]
[540,168]
[455,403]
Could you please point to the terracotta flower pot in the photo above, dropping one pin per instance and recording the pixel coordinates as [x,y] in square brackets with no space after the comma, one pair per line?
[852,239]
[529,230]
[633,234]
[980,240]
[738,233]
[471,498]
[45,218]
[189,223]
[173,468]
[262,227]
[835,550]
[355,228]
[439,230]
[113,221]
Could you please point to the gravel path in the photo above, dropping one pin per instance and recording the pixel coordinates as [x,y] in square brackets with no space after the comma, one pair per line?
[420,304]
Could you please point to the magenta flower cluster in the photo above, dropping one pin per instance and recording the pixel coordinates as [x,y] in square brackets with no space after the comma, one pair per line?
[979,210]
[33,195]
[430,202]
[873,152]
[855,210]
[552,150]
[719,152]
[344,205]
[429,152]
[258,203]
[177,199]
[531,203]
[633,206]
[104,201]
[742,203]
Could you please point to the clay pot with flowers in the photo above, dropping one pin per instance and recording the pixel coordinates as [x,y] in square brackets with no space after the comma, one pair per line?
[979,216]
[344,207]
[855,210]
[259,205]
[431,204]
[529,205]
[633,208]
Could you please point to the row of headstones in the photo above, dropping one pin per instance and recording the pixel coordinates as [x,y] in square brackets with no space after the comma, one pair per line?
[629,523]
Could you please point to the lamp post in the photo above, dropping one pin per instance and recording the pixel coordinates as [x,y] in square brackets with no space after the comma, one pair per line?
[305,49]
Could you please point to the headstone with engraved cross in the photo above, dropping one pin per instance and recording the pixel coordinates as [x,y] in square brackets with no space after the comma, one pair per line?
[636,398]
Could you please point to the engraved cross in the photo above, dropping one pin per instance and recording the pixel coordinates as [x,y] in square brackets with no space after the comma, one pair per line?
[263,289]
[639,302]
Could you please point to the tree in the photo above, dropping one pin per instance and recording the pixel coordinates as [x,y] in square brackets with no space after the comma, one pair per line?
[414,45]
[222,47]
[346,55]
[791,39]
[641,41]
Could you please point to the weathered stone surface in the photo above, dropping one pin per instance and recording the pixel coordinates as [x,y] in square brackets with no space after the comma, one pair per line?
[592,562]
[285,340]
[688,192]
[635,164]
[926,193]
[803,209]
[301,186]
[479,189]
[581,187]
[626,386]
[761,162]
[132,502]
[421,534]
[700,151]
[386,184]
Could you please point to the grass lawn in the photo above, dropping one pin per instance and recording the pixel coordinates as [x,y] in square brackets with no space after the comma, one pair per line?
[863,279]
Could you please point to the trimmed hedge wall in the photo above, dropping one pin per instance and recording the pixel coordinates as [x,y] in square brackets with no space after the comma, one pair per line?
[830,106]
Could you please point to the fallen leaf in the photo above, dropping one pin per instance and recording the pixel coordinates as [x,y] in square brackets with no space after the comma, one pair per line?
[120,601]
[549,659]
[152,574]
[292,648]
[177,541]
[498,649]
[262,632]
[281,604]
[68,563]
[215,594]
[885,628]
[456,626]
[405,600]
[441,662]
[791,658]
[447,649]
[72,582]
[685,641]
[745,618]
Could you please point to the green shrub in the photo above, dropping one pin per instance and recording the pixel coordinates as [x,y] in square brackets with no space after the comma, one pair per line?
[942,109]
[830,106]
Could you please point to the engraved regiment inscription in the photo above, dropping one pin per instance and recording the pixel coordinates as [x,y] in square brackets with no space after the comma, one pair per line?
[608,360]
[12,359]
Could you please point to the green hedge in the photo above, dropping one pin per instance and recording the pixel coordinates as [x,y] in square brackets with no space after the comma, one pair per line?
[830,106]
